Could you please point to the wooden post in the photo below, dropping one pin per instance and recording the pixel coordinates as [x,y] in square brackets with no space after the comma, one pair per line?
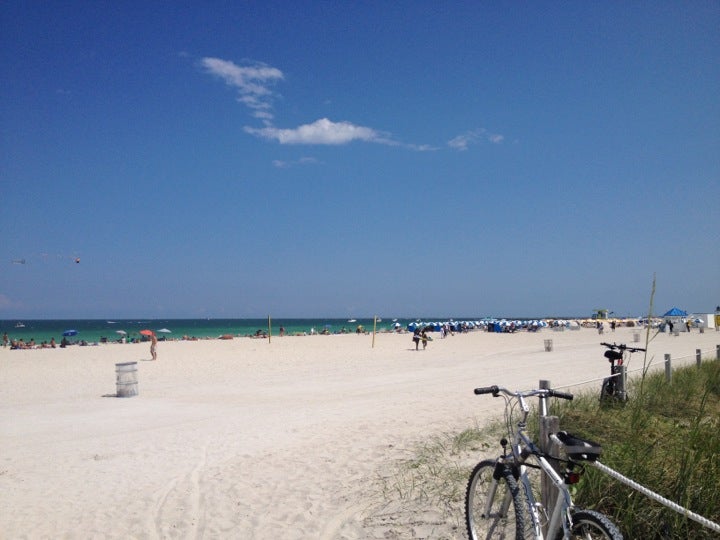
[668,368]
[547,425]
[698,357]
[717,351]
[374,327]
[621,382]
[269,329]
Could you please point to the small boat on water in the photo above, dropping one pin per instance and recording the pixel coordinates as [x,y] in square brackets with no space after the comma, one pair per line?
[19,325]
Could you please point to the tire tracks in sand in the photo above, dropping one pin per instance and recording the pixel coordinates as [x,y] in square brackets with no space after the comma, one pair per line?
[179,510]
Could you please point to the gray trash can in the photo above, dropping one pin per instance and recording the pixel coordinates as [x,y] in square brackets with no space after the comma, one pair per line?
[127,383]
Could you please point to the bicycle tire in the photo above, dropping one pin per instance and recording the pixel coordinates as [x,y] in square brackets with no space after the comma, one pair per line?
[607,391]
[495,525]
[592,525]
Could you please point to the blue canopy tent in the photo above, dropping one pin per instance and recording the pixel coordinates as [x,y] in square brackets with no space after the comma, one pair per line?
[677,318]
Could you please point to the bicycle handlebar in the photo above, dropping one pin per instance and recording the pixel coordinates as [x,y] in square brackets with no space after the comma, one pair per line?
[622,347]
[547,392]
[561,395]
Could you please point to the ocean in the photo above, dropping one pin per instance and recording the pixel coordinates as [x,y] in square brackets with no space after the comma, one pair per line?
[94,331]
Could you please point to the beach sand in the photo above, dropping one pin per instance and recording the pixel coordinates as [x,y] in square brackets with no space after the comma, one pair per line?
[255,440]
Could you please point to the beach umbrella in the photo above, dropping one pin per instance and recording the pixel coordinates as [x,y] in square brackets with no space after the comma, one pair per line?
[165,331]
[68,333]
[147,332]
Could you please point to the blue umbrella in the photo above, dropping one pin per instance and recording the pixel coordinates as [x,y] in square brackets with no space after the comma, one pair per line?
[68,333]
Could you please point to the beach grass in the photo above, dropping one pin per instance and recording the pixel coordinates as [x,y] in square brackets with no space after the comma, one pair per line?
[666,437]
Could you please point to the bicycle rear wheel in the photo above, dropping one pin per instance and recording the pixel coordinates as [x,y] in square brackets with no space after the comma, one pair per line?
[607,391]
[591,525]
[503,498]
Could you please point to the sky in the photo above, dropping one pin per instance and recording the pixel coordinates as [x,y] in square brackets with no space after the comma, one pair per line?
[399,159]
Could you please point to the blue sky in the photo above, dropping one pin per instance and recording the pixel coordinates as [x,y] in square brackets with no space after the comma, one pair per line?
[239,159]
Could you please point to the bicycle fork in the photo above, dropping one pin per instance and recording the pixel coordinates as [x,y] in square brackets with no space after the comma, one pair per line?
[500,466]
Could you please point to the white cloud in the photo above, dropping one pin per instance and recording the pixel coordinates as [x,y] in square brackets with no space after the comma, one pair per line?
[461,142]
[254,86]
[321,131]
[252,82]
[281,164]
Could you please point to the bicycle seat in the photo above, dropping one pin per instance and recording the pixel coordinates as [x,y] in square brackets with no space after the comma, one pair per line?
[579,449]
[613,355]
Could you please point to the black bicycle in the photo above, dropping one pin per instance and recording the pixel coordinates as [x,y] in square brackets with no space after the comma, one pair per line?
[613,387]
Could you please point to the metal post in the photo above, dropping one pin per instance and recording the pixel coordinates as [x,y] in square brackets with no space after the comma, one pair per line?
[621,382]
[668,368]
[698,357]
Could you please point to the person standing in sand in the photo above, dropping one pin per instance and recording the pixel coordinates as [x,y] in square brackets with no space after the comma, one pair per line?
[153,346]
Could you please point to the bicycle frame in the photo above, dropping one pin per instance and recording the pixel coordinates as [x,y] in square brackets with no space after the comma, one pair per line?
[560,515]
[559,518]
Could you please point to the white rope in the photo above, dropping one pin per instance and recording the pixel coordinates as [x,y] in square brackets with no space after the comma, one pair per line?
[644,368]
[634,485]
[662,500]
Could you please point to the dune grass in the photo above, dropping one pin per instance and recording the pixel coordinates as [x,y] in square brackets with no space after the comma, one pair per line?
[666,437]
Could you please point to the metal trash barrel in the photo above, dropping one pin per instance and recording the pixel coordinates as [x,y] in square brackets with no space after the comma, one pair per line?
[636,336]
[548,345]
[127,384]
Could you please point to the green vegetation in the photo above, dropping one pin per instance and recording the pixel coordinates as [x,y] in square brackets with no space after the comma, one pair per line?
[665,438]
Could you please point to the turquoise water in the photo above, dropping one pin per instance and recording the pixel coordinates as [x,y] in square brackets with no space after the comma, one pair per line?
[93,330]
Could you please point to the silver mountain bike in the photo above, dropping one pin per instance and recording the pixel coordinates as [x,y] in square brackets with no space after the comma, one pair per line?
[502,499]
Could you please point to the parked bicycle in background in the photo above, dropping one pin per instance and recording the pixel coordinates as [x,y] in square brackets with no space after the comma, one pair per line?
[613,387]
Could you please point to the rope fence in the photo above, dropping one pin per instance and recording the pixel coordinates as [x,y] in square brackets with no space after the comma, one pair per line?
[699,354]
[658,498]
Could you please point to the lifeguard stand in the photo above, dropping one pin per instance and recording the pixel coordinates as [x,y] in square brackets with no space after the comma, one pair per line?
[601,314]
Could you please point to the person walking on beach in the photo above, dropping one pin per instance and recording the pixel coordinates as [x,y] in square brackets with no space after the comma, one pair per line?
[416,338]
[153,346]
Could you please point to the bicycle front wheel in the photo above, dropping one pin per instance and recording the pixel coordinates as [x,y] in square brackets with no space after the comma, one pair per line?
[493,508]
[591,525]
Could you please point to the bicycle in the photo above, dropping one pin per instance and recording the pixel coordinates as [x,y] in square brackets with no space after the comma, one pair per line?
[502,499]
[613,387]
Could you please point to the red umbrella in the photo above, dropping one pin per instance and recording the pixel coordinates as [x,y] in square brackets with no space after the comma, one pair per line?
[147,332]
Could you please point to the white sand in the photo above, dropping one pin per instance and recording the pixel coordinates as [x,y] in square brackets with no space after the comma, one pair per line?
[245,439]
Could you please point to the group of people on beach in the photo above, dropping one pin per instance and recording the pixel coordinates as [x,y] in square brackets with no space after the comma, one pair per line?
[420,334]
[20,343]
